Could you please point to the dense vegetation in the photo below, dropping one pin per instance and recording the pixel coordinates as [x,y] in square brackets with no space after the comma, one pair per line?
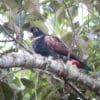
[77,23]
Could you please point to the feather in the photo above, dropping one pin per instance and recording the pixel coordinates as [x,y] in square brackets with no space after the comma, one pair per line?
[56,44]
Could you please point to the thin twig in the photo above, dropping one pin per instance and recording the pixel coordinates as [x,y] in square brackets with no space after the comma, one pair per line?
[6,40]
[50,74]
[2,78]
[61,81]
[22,45]
[69,16]
[7,51]
[36,84]
[76,90]
[72,25]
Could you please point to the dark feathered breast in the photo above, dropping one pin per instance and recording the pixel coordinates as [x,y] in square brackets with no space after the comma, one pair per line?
[40,46]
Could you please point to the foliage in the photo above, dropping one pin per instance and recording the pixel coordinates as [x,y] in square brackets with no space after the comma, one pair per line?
[81,32]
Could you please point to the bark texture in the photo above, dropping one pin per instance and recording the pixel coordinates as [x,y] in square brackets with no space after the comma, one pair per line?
[24,59]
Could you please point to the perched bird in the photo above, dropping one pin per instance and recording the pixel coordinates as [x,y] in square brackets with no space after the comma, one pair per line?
[48,45]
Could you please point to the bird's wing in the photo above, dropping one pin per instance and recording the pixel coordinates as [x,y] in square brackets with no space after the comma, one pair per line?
[56,44]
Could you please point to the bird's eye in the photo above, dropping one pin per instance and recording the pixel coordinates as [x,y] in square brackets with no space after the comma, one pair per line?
[35,30]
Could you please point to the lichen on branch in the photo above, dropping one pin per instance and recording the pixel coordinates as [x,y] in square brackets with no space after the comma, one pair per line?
[24,59]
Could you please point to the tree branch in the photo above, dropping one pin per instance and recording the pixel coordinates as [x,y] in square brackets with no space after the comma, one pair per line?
[6,40]
[67,71]
[17,41]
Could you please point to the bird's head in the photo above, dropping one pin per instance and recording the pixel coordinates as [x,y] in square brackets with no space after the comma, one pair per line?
[36,31]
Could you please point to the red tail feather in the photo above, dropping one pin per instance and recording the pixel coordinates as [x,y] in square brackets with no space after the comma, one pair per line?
[77,63]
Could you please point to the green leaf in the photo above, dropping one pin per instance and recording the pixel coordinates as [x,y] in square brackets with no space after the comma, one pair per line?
[17,82]
[11,3]
[1,47]
[6,91]
[20,18]
[27,83]
[27,41]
